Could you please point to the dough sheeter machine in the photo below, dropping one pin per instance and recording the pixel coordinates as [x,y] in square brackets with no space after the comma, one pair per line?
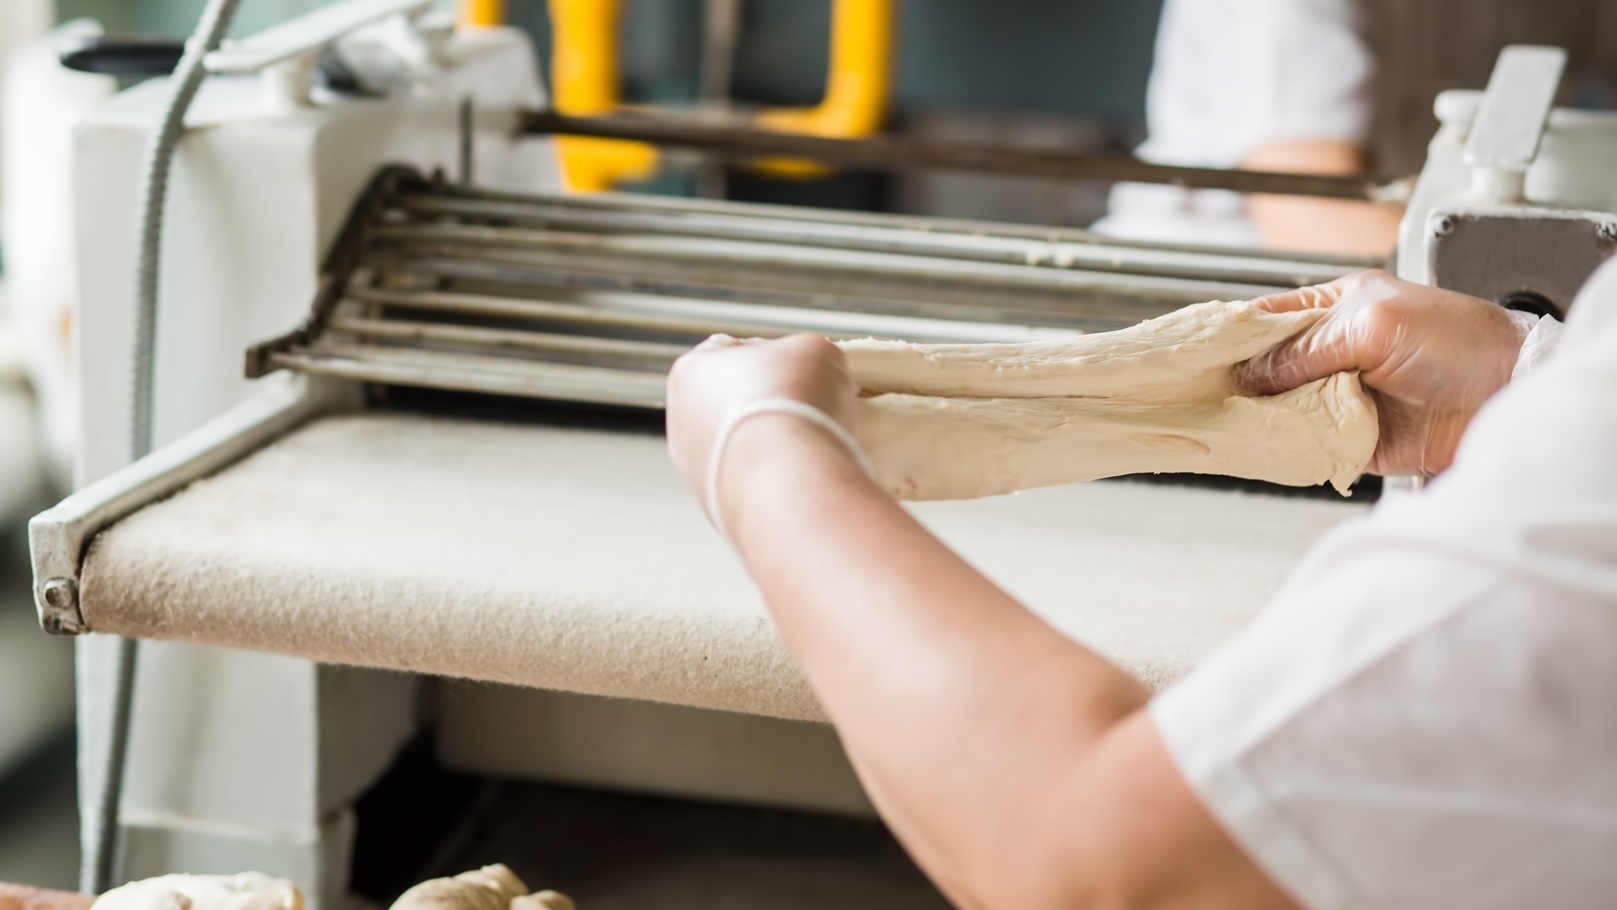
[448,463]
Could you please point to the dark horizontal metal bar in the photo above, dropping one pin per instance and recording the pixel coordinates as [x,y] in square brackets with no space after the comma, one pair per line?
[432,369]
[585,318]
[1051,252]
[501,341]
[891,152]
[1096,307]
[549,311]
[681,207]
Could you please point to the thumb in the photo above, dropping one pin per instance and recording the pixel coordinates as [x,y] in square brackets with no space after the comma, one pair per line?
[1324,349]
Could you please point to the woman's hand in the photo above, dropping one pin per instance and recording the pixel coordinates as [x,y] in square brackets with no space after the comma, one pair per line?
[723,374]
[1431,358]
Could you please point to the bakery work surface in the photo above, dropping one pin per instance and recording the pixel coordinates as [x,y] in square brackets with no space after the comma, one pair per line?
[576,560]
[22,897]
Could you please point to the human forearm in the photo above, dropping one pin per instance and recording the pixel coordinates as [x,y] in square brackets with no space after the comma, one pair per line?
[1320,225]
[962,710]
[1018,767]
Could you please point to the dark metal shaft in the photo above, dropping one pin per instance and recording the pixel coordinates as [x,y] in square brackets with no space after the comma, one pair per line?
[891,152]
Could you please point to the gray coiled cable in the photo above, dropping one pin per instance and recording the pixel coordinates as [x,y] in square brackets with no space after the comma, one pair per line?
[100,861]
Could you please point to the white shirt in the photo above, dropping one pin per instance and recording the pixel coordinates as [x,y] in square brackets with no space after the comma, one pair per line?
[1426,716]
[1230,76]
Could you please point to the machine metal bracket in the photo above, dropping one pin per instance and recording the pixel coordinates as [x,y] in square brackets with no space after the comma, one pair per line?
[1519,253]
[284,54]
[339,265]
[59,536]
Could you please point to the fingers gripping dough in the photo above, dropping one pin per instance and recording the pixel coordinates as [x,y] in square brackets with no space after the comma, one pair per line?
[964,421]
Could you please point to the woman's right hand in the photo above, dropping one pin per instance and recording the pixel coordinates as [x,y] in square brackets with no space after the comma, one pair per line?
[1431,358]
[723,374]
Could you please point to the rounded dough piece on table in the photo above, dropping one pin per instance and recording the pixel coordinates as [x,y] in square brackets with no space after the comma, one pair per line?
[489,888]
[246,891]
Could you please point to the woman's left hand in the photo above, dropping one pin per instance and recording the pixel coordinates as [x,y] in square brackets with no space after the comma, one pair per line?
[723,374]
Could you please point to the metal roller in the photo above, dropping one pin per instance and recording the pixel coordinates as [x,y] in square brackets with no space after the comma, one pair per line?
[590,299]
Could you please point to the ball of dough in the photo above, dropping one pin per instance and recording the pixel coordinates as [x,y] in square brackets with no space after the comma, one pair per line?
[488,888]
[246,891]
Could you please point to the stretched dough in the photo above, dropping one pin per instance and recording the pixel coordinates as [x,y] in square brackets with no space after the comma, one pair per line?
[247,891]
[953,421]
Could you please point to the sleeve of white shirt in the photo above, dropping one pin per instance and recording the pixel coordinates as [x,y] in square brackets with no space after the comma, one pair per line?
[1230,76]
[1424,717]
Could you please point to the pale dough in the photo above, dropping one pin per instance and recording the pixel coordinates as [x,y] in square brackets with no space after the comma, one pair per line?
[960,421]
[247,891]
[493,887]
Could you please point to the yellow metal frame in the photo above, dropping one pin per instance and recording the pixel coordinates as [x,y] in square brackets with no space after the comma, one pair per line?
[482,13]
[860,75]
[584,81]
[856,87]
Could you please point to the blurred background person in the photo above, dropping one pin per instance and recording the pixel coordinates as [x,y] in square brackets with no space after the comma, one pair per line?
[1327,87]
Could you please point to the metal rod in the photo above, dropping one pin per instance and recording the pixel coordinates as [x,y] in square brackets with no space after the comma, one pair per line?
[1055,253]
[1074,300]
[893,283]
[1052,309]
[893,153]
[509,307]
[508,338]
[468,141]
[433,369]
[721,27]
[694,318]
[766,264]
[680,208]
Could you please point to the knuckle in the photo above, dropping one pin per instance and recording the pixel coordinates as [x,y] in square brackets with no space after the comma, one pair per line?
[816,346]
[1382,314]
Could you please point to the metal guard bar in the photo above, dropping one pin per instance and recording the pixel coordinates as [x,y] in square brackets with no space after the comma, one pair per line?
[896,153]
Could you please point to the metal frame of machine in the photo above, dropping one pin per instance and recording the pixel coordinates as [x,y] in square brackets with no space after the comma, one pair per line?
[590,299]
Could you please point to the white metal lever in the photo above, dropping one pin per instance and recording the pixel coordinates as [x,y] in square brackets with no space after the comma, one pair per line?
[1510,123]
[285,53]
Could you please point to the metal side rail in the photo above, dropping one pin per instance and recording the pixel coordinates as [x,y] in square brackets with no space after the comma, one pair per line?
[57,537]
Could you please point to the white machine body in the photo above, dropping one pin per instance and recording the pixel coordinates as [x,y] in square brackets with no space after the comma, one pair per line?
[243,760]
[1527,237]
[257,195]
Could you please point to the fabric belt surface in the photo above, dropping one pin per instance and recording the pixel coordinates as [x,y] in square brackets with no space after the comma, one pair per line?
[576,560]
